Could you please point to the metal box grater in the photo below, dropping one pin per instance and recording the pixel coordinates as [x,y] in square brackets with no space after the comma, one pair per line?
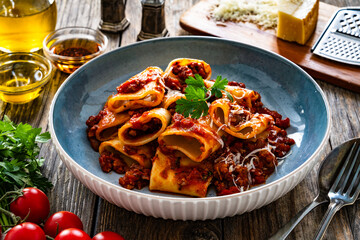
[340,40]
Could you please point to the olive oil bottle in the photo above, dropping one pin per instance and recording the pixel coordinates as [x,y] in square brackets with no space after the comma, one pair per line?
[25,23]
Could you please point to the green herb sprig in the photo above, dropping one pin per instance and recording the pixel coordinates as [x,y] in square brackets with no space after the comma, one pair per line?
[19,163]
[196,95]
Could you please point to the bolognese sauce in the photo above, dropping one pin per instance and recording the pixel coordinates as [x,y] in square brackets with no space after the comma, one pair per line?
[133,86]
[139,129]
[112,162]
[136,177]
[136,83]
[92,126]
[183,72]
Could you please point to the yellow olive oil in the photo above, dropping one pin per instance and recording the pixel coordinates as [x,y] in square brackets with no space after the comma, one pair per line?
[25,23]
[19,75]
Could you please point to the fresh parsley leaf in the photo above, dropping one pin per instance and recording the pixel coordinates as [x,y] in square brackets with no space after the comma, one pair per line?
[43,138]
[197,94]
[195,108]
[198,81]
[201,109]
[229,96]
[219,86]
[184,106]
[194,93]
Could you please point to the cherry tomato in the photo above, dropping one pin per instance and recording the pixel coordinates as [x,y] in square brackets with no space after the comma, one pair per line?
[60,221]
[107,236]
[27,230]
[34,202]
[72,234]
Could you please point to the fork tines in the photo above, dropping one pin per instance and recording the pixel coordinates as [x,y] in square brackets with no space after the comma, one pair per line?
[349,171]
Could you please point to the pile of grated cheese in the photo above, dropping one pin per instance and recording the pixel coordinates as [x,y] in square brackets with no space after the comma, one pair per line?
[261,12]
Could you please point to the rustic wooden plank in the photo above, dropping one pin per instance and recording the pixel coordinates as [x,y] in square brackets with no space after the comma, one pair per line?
[177,8]
[135,226]
[346,125]
[133,12]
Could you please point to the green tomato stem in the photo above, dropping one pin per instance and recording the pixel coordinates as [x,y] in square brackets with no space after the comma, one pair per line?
[11,215]
[9,193]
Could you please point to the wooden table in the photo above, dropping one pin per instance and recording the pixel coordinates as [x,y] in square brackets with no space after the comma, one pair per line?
[99,215]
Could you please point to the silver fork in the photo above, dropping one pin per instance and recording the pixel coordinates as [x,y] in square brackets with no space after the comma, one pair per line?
[342,192]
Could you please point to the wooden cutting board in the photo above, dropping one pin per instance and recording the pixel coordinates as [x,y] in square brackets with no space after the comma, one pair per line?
[197,21]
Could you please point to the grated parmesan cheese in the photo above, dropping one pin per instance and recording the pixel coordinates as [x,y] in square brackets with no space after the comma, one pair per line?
[297,1]
[261,12]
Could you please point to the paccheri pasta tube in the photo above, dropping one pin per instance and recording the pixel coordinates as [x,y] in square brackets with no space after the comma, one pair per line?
[109,125]
[242,96]
[237,120]
[196,140]
[176,173]
[145,127]
[170,99]
[124,155]
[180,69]
[145,89]
[104,126]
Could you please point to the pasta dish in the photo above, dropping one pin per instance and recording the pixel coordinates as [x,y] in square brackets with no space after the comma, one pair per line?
[181,131]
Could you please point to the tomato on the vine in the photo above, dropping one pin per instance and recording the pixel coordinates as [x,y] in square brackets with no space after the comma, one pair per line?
[60,221]
[108,236]
[27,230]
[34,205]
[72,234]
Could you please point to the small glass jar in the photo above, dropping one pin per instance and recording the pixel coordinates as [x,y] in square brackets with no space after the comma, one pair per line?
[25,23]
[69,48]
[23,76]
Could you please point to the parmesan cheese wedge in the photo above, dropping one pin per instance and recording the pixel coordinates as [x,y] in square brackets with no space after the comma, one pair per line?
[297,19]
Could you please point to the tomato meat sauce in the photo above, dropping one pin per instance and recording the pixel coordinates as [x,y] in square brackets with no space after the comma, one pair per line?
[110,161]
[136,177]
[92,126]
[183,72]
[187,124]
[134,84]
[140,129]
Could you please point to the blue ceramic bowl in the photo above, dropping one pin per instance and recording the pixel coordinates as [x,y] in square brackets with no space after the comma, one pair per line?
[283,87]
